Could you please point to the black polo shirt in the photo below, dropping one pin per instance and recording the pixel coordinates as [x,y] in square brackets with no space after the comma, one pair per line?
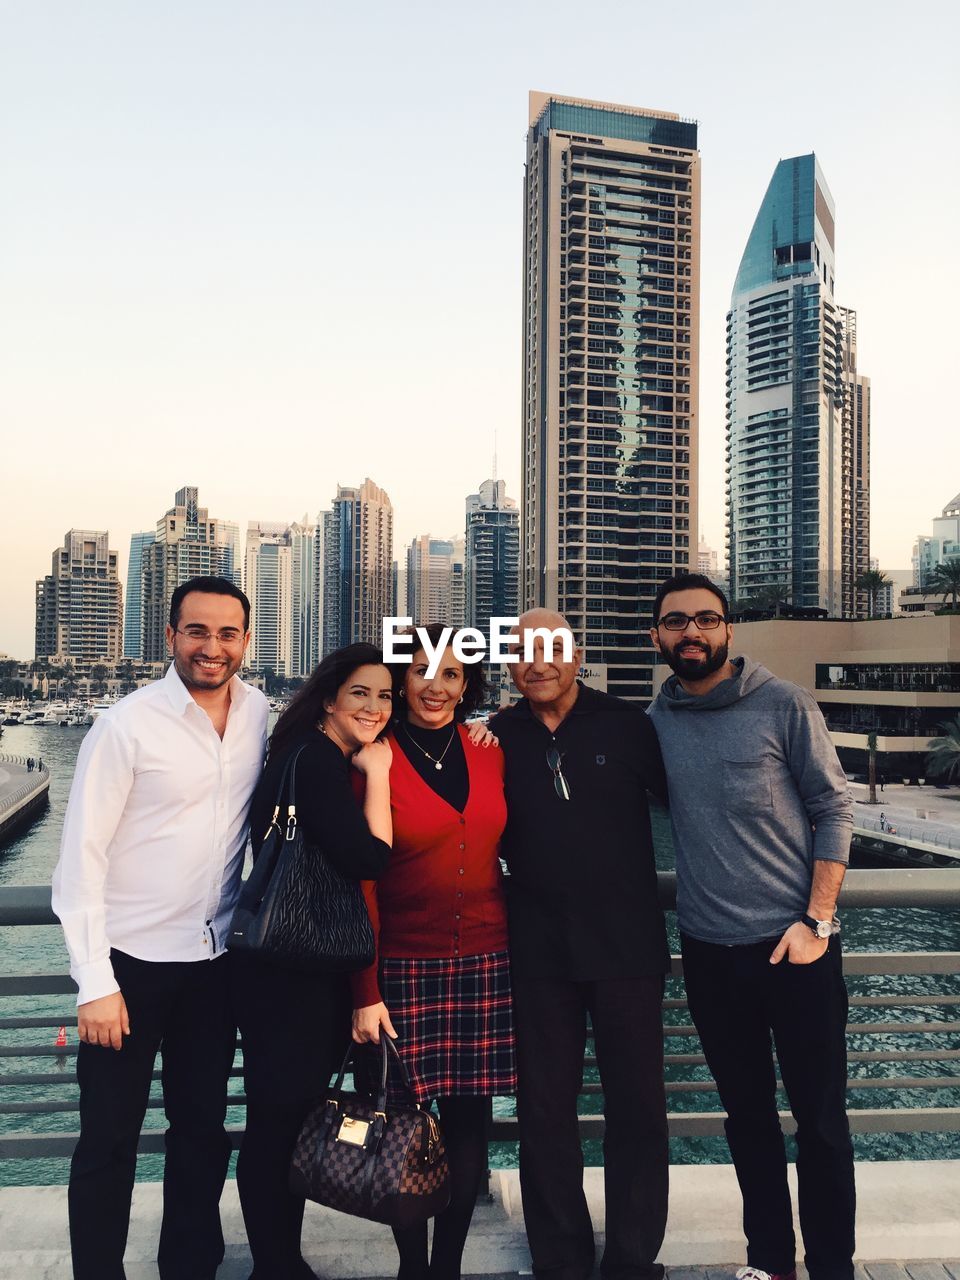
[582,889]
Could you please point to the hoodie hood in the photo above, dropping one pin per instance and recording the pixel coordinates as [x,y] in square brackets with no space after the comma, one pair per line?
[749,677]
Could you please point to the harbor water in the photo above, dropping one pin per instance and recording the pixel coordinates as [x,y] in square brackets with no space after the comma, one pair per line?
[29,860]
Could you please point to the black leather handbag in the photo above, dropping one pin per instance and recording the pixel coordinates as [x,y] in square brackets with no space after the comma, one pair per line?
[359,1156]
[296,908]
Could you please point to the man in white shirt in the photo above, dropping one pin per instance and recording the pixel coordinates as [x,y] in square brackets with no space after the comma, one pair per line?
[148,876]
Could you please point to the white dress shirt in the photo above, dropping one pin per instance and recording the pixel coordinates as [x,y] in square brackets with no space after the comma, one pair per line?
[155,830]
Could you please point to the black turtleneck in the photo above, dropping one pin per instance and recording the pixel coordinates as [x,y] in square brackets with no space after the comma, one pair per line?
[451,783]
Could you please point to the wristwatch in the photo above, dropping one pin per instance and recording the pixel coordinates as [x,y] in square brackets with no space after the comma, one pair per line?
[822,928]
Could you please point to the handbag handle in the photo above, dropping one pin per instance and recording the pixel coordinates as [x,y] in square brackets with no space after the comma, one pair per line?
[289,773]
[387,1048]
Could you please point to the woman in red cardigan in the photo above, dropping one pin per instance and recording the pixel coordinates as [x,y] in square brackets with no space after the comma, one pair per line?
[441,983]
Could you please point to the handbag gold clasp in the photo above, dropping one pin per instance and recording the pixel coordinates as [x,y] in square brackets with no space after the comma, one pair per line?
[353,1131]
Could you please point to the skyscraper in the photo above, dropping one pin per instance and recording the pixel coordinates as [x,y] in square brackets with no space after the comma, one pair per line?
[358,566]
[303,597]
[133,614]
[434,580]
[492,556]
[610,360]
[186,546]
[942,544]
[79,602]
[797,407]
[267,578]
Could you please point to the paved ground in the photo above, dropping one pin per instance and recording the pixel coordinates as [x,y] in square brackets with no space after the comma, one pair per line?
[907,1210]
[918,813]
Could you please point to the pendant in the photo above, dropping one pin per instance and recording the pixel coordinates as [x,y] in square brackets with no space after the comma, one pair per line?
[438,765]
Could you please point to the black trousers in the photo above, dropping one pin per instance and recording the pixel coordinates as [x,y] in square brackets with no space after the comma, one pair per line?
[738,1001]
[184,1011]
[628,1036]
[295,1028]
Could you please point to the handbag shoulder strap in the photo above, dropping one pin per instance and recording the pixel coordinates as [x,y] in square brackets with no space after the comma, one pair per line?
[288,781]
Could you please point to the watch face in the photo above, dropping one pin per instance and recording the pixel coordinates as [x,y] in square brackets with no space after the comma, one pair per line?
[823,929]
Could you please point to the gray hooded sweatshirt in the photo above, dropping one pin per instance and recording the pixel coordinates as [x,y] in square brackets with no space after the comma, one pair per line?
[756,794]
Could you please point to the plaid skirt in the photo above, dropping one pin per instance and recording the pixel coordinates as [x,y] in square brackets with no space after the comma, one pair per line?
[454,1018]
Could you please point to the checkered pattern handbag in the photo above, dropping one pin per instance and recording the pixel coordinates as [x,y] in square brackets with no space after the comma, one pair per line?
[356,1156]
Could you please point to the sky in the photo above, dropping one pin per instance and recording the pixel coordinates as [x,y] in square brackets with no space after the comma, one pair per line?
[266,248]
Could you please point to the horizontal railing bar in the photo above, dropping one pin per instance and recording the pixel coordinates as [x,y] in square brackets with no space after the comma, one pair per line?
[20,1078]
[672,1086]
[855,963]
[853,1028]
[859,1002]
[692,1124]
[903,887]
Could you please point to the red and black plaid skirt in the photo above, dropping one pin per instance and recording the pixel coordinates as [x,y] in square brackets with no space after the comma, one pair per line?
[454,1018]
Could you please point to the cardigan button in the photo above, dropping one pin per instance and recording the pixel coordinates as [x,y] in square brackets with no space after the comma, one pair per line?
[462,821]
[460,872]
[462,845]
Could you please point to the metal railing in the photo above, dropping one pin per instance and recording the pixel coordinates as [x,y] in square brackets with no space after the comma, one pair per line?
[930,1064]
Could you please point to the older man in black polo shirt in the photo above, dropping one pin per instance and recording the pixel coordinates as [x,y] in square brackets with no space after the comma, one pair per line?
[586,936]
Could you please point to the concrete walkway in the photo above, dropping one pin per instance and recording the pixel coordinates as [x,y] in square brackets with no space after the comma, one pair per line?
[908,1210]
[22,792]
[929,814]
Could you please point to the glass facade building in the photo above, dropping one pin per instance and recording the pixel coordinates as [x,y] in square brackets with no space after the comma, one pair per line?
[133,608]
[610,366]
[798,410]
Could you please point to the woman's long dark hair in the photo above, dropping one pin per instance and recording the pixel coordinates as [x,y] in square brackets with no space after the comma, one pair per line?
[474,690]
[306,706]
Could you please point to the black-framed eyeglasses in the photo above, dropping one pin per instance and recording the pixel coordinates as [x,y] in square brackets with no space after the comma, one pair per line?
[200,635]
[705,620]
[560,784]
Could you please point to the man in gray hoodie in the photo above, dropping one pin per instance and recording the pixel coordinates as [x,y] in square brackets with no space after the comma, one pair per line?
[762,819]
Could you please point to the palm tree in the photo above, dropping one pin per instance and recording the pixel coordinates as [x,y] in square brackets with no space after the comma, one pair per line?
[98,674]
[943,759]
[945,580]
[767,598]
[873,582]
[872,765]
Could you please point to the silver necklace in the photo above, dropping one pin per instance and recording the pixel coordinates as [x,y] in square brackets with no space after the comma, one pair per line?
[436,761]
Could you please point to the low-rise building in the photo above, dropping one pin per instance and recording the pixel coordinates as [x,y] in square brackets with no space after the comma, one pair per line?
[896,677]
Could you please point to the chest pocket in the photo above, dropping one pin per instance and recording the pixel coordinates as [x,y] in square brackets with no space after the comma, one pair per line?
[747,785]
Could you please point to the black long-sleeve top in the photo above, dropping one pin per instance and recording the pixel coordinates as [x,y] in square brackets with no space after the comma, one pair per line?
[329,814]
[582,890]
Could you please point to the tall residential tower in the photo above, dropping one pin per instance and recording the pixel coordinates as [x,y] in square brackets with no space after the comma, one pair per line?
[610,366]
[79,602]
[798,410]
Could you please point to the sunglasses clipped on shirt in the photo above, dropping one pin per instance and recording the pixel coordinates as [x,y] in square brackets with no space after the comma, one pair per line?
[705,620]
[560,784]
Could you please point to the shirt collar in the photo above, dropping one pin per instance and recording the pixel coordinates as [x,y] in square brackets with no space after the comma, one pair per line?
[181,698]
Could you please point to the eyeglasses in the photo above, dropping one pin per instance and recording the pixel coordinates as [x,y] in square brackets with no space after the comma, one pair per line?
[560,784]
[706,620]
[200,635]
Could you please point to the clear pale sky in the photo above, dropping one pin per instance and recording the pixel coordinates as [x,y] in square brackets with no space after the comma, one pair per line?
[265,248]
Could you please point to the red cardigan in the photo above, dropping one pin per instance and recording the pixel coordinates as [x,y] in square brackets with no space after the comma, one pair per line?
[442,892]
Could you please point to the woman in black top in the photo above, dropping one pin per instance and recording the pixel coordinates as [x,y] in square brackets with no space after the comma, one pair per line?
[296,1026]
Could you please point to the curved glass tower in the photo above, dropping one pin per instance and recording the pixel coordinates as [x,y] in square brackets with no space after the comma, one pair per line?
[797,410]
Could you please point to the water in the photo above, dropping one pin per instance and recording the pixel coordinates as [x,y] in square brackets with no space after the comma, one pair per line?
[31,857]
